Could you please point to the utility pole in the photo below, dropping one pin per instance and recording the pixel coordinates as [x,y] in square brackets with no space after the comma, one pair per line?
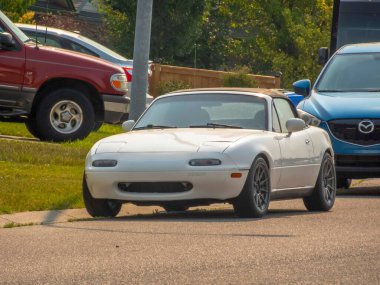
[141,58]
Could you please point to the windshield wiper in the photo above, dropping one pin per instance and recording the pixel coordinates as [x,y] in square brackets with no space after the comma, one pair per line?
[151,126]
[351,90]
[370,90]
[214,125]
[331,90]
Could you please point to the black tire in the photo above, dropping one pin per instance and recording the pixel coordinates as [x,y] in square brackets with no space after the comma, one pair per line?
[172,207]
[97,126]
[99,207]
[32,127]
[323,196]
[253,201]
[342,182]
[52,126]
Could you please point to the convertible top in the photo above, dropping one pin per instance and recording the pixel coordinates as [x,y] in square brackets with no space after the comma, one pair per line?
[269,92]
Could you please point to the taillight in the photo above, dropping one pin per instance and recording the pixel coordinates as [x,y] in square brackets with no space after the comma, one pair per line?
[128,73]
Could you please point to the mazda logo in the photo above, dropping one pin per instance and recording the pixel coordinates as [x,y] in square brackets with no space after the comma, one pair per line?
[366,127]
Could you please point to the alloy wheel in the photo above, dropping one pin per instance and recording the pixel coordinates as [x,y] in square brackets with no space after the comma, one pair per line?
[261,187]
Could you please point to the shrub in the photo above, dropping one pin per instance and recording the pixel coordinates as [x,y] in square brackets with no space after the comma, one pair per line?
[239,78]
[173,85]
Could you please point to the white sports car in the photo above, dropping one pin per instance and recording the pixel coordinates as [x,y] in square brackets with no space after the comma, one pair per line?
[197,147]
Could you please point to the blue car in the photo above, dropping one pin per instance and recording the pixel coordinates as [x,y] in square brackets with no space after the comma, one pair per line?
[345,101]
[295,98]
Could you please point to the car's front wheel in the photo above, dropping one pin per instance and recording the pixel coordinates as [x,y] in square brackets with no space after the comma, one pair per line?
[64,114]
[323,196]
[253,201]
[99,207]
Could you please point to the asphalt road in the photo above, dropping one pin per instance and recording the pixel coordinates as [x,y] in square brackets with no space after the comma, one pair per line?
[288,246]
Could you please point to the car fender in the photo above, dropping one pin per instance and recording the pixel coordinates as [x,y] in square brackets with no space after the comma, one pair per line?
[244,152]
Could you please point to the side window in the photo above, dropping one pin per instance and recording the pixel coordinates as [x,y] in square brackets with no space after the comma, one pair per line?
[284,111]
[275,121]
[78,48]
[50,40]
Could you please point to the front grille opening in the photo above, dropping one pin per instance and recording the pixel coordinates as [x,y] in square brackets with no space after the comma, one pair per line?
[347,130]
[358,161]
[155,187]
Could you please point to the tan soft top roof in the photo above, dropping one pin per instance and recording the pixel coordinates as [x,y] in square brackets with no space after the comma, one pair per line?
[269,92]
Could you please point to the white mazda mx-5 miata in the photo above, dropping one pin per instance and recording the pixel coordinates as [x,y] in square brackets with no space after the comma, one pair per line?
[202,146]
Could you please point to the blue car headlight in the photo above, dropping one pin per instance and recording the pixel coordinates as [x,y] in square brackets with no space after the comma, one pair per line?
[309,118]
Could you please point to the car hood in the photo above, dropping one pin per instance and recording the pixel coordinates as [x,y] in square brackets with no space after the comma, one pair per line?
[330,106]
[172,140]
[59,56]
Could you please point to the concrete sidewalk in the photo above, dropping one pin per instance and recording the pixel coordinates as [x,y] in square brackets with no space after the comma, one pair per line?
[61,216]
[359,187]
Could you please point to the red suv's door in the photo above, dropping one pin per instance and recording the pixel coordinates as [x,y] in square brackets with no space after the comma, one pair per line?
[12,64]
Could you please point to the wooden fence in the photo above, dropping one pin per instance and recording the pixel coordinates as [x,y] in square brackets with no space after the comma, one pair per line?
[200,78]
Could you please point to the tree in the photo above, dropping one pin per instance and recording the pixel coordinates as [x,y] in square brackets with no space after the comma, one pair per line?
[17,10]
[175,26]
[268,36]
[287,36]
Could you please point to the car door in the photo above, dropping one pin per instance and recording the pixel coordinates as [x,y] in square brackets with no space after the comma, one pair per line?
[296,149]
[12,64]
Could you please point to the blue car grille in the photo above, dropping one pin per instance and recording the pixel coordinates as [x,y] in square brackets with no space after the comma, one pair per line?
[358,160]
[348,130]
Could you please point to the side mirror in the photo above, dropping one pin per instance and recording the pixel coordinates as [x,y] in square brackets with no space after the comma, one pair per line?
[302,87]
[128,125]
[6,41]
[295,125]
[323,55]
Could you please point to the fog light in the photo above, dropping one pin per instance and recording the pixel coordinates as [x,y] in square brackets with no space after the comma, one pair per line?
[205,162]
[104,163]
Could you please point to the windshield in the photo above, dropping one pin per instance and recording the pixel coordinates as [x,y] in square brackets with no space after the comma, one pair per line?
[351,73]
[13,28]
[206,111]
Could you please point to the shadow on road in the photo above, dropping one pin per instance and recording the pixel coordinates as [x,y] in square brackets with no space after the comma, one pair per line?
[194,216]
[209,215]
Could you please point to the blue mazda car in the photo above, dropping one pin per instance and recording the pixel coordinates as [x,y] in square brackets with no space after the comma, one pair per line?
[345,101]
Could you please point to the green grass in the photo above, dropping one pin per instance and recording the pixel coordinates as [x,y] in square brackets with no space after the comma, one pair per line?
[14,129]
[42,176]
[17,225]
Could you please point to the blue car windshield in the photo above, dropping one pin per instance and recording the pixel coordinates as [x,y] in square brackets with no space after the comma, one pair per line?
[351,73]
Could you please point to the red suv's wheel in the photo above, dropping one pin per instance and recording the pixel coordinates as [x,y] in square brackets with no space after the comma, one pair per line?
[64,114]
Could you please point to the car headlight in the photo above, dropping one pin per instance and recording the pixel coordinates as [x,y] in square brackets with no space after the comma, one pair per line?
[308,118]
[205,162]
[119,82]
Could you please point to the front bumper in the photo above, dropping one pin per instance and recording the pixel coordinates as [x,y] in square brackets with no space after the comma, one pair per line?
[206,185]
[355,161]
[208,182]
[115,108]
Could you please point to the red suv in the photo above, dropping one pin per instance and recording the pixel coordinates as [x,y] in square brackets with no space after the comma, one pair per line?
[63,95]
